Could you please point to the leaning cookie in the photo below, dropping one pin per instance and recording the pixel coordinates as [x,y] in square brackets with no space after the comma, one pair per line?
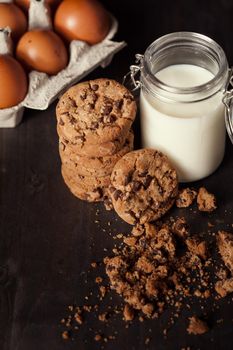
[96,111]
[93,166]
[89,188]
[143,187]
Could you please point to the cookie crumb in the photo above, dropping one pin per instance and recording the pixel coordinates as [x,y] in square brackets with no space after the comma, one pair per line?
[137,230]
[98,337]
[221,274]
[130,241]
[103,317]
[197,326]
[65,335]
[224,287]
[78,318]
[103,291]
[87,308]
[206,201]
[185,197]
[128,313]
[98,280]
[180,228]
[197,247]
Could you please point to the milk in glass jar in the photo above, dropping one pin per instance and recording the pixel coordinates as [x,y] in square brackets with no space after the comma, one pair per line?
[183,82]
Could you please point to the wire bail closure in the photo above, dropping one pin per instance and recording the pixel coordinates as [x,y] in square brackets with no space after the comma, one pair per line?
[134,71]
[227,100]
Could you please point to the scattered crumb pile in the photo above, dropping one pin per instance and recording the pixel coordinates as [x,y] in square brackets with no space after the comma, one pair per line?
[159,265]
[163,264]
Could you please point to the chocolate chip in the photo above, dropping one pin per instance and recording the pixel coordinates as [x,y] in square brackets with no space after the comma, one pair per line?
[147,181]
[128,178]
[151,202]
[91,105]
[109,118]
[94,125]
[107,100]
[98,192]
[62,146]
[95,87]
[107,83]
[72,101]
[160,190]
[61,122]
[128,97]
[107,109]
[136,186]
[113,118]
[119,103]
[72,120]
[94,97]
[83,96]
[117,194]
[111,189]
[101,119]
[142,174]
[80,137]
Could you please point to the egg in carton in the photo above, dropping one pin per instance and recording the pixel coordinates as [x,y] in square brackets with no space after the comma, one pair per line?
[44,89]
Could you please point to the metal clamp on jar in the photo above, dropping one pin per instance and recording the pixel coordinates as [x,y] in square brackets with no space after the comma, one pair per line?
[183,81]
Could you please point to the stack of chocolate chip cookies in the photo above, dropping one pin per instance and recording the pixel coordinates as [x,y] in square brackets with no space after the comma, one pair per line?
[94,122]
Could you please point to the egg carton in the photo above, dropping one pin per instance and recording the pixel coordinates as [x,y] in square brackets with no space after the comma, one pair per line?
[44,89]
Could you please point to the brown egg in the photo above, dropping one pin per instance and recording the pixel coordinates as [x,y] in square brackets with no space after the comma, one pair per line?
[85,20]
[13,82]
[42,50]
[12,16]
[24,4]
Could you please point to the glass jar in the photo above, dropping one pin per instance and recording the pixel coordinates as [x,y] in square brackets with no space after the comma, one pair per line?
[183,81]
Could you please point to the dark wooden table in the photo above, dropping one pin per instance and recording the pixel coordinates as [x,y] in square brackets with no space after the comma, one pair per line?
[48,238]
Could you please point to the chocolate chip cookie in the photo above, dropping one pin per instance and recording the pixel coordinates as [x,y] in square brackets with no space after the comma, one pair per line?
[89,150]
[91,189]
[143,187]
[95,112]
[93,166]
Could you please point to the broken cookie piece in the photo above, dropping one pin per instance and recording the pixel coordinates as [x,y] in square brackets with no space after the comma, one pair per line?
[197,326]
[224,287]
[128,313]
[206,201]
[180,228]
[225,246]
[197,247]
[185,197]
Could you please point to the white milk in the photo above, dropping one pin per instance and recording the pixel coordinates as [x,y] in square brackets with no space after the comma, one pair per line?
[191,134]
